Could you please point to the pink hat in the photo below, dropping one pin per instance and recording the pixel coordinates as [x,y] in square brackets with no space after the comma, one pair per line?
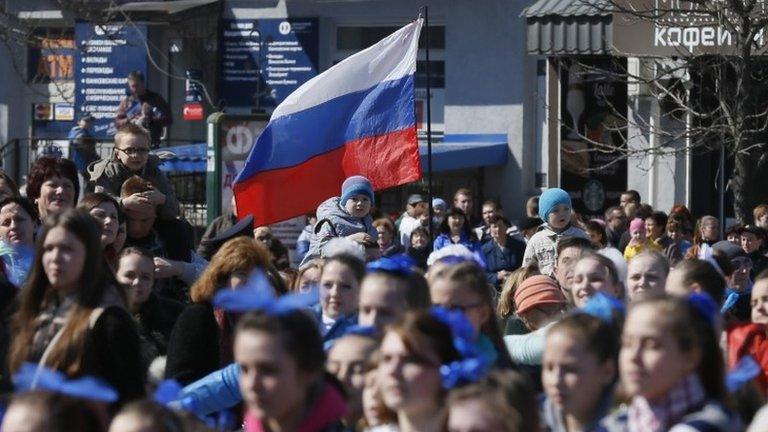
[636,225]
[536,291]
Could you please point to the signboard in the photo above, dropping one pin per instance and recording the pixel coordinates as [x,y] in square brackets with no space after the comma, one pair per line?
[106,54]
[589,107]
[680,27]
[51,60]
[265,60]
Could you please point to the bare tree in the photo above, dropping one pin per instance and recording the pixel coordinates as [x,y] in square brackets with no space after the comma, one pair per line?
[705,66]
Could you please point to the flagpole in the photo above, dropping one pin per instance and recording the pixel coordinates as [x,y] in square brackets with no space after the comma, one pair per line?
[429,124]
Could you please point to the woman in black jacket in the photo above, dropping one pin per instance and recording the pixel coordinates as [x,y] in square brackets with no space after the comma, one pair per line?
[72,315]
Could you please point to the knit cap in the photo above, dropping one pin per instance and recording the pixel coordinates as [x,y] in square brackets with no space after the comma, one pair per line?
[356,185]
[537,291]
[550,199]
[636,225]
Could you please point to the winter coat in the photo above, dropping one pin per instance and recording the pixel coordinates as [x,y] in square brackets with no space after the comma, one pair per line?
[156,319]
[303,242]
[334,221]
[632,251]
[542,247]
[108,175]
[496,259]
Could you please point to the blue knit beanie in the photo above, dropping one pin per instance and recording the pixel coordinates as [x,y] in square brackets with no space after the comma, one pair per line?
[356,185]
[550,199]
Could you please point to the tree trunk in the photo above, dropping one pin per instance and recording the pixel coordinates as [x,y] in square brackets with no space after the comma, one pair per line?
[745,188]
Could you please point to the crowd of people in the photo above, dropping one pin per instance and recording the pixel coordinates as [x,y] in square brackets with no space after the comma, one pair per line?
[446,318]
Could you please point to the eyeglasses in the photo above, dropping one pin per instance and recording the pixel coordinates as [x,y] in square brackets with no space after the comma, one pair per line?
[135,151]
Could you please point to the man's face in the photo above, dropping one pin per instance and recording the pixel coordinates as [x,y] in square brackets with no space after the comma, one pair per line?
[136,87]
[617,221]
[488,212]
[139,225]
[464,202]
[626,199]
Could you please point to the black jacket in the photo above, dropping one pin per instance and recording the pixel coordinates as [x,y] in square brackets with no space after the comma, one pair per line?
[193,348]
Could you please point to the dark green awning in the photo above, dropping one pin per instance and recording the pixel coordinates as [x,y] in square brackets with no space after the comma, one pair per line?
[569,27]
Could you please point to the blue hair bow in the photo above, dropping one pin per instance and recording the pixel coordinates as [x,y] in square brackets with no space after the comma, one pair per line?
[360,330]
[33,377]
[258,294]
[399,264]
[476,258]
[472,366]
[743,372]
[704,304]
[732,298]
[604,307]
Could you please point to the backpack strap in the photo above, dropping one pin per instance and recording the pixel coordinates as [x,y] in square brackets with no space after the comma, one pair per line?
[322,222]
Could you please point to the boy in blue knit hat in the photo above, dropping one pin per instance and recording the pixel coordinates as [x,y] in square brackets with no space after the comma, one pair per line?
[555,210]
[347,215]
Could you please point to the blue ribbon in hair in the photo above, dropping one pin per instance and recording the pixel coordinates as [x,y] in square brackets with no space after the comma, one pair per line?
[476,258]
[399,264]
[743,372]
[604,306]
[704,304]
[732,298]
[472,365]
[33,377]
[258,294]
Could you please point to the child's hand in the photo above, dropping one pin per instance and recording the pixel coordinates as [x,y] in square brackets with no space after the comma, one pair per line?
[155,197]
[362,238]
[139,203]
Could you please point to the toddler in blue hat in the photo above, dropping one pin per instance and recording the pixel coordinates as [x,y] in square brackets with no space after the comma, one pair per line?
[347,215]
[556,211]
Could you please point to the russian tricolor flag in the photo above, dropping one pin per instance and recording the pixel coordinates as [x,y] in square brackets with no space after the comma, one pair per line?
[356,118]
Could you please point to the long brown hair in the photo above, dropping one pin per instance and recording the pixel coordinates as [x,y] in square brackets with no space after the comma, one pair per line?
[95,280]
[241,254]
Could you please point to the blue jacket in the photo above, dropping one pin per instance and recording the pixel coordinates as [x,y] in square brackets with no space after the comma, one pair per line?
[338,329]
[444,240]
[510,258]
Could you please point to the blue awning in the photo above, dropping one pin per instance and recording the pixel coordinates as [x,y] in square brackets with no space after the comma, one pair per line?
[183,158]
[464,151]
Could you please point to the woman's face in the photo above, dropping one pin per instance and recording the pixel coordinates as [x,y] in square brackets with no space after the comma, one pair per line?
[408,383]
[651,362]
[310,277]
[762,221]
[455,223]
[16,225]
[645,278]
[137,274]
[56,195]
[759,302]
[750,242]
[63,259]
[589,278]
[339,290]
[106,214]
[573,378]
[272,385]
[346,361]
[374,410]
[455,296]
[498,231]
[419,240]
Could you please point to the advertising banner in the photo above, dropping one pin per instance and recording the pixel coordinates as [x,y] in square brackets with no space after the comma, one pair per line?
[105,56]
[265,60]
[593,110]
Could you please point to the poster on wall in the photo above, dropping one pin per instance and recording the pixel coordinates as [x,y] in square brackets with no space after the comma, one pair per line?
[106,54]
[593,109]
[265,60]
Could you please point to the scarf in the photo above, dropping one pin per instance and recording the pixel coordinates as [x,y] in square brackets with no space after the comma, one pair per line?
[54,316]
[687,396]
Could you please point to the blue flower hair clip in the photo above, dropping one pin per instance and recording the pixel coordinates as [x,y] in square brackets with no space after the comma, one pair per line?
[360,330]
[258,294]
[472,365]
[34,377]
[743,372]
[605,307]
[399,264]
[732,298]
[704,304]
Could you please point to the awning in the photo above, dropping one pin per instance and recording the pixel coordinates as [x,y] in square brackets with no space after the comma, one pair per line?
[466,151]
[161,10]
[183,158]
[569,27]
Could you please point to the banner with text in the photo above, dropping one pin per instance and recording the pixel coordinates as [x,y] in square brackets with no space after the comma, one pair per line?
[265,60]
[105,56]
